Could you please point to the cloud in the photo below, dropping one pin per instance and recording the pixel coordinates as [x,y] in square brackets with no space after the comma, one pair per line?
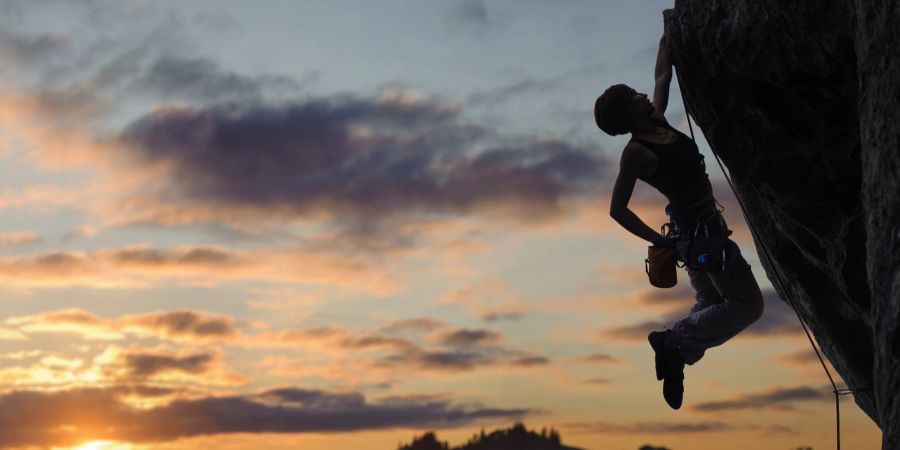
[202,79]
[166,364]
[419,324]
[601,358]
[142,266]
[177,325]
[141,364]
[436,360]
[70,417]
[467,337]
[774,399]
[355,159]
[364,163]
[644,428]
[182,325]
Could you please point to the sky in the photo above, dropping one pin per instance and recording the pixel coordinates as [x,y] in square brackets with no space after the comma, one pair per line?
[337,225]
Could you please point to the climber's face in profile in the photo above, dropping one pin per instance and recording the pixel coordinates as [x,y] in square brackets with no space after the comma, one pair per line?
[640,106]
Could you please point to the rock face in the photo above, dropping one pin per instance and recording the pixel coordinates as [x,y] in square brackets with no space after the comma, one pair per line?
[801,100]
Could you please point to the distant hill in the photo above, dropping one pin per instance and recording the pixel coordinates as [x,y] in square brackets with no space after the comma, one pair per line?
[514,438]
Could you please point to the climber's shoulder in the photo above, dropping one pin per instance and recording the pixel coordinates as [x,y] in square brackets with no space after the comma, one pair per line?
[635,159]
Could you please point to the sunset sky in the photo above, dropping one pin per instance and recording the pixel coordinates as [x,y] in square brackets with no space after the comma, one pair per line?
[325,224]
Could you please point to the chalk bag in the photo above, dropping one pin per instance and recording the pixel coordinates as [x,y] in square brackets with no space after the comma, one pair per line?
[660,266]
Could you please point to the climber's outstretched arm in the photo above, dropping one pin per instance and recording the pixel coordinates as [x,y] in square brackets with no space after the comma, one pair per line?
[663,78]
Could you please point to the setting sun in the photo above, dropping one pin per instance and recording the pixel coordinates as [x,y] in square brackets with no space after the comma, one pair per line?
[103,445]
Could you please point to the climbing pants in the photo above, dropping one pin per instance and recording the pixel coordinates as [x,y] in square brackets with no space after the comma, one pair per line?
[728,300]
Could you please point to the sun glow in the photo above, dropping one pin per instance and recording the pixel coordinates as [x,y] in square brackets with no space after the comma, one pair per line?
[104,445]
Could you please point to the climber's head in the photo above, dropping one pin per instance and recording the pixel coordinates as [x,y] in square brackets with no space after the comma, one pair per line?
[618,107]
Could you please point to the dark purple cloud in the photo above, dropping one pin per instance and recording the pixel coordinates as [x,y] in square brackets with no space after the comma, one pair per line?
[356,159]
[778,399]
[65,418]
[644,428]
[142,364]
[528,361]
[184,324]
[469,337]
[498,316]
[439,360]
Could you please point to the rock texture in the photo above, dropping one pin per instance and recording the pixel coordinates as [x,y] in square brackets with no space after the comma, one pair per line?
[801,100]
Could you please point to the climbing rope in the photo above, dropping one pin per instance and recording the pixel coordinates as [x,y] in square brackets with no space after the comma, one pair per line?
[837,392]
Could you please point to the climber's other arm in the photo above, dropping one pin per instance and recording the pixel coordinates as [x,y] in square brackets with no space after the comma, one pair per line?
[634,159]
[663,75]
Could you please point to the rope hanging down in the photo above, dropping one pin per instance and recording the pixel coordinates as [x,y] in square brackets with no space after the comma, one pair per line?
[837,392]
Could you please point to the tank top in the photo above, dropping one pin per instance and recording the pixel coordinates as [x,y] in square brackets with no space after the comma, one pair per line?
[680,176]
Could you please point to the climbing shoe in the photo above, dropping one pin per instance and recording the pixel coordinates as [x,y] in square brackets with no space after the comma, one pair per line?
[658,342]
[673,382]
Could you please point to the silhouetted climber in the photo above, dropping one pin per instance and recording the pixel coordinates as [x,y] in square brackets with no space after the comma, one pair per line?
[728,298]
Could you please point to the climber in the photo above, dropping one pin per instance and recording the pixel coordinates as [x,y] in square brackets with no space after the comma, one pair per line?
[728,299]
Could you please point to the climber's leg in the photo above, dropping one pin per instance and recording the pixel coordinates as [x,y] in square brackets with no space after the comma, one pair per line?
[731,301]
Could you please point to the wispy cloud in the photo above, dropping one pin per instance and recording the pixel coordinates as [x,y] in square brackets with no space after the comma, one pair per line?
[418,324]
[601,358]
[178,325]
[774,399]
[166,364]
[142,266]
[349,158]
[81,414]
[644,428]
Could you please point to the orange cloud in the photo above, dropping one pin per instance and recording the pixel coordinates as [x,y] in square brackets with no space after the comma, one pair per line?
[69,417]
[167,365]
[142,266]
[179,325]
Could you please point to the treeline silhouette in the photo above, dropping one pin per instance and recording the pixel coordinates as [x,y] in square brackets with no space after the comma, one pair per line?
[516,437]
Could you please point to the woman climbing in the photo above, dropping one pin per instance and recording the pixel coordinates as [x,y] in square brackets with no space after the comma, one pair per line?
[728,298]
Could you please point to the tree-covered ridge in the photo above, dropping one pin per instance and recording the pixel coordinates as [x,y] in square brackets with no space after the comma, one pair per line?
[516,437]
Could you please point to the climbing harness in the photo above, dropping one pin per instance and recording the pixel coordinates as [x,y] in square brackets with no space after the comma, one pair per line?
[837,392]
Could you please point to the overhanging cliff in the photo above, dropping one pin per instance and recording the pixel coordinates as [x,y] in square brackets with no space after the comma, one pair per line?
[801,100]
